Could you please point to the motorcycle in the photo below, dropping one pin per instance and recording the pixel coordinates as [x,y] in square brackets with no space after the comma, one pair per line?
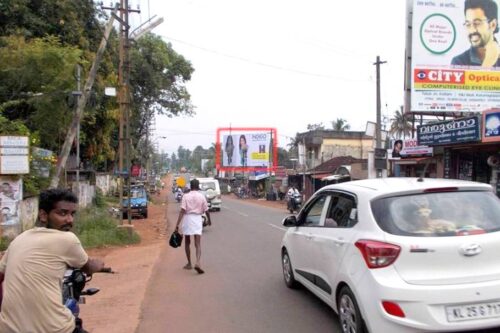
[294,202]
[74,282]
[209,195]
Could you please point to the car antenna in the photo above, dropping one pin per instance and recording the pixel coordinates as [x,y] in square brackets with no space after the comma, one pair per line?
[422,175]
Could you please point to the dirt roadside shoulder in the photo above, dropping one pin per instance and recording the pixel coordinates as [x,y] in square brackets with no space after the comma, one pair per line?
[117,307]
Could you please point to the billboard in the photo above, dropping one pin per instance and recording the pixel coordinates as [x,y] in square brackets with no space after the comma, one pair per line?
[454,66]
[246,149]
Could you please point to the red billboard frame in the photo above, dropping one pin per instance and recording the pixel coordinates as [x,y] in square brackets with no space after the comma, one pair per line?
[218,156]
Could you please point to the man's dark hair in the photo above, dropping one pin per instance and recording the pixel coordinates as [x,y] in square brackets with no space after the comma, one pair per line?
[489,8]
[195,184]
[49,198]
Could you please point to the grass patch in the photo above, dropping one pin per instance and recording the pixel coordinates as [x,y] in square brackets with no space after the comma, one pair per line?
[96,228]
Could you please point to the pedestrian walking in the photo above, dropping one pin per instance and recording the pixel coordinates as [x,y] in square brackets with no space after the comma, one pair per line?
[193,206]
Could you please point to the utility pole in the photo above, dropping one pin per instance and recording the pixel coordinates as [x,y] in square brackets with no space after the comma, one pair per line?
[379,113]
[124,98]
[70,136]
[78,93]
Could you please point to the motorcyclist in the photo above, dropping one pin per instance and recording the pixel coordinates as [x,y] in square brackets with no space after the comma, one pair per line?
[34,265]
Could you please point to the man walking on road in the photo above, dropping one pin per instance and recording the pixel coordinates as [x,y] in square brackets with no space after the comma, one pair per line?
[193,205]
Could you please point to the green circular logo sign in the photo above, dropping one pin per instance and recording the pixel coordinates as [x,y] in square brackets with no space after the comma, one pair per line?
[437,33]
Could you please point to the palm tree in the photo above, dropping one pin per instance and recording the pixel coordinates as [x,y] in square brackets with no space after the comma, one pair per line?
[400,125]
[340,125]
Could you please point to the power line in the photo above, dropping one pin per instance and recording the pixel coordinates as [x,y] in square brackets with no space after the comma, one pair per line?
[276,67]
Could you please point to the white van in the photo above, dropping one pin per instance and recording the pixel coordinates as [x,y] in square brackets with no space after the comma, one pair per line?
[210,188]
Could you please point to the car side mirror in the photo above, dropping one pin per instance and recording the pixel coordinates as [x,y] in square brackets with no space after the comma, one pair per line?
[290,221]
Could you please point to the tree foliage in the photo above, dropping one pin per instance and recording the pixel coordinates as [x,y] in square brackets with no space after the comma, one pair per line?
[400,126]
[340,124]
[42,42]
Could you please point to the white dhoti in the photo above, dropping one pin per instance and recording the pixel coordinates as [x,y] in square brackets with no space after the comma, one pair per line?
[192,224]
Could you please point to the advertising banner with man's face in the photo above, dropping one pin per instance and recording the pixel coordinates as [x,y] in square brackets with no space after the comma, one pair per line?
[455,56]
[246,148]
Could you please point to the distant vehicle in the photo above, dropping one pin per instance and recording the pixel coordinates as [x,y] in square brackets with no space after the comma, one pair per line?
[211,189]
[138,202]
[400,254]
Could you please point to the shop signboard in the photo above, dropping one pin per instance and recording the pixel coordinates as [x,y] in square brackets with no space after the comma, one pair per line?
[14,155]
[449,132]
[444,77]
[491,126]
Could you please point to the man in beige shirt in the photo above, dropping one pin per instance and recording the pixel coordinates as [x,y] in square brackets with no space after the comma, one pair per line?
[34,265]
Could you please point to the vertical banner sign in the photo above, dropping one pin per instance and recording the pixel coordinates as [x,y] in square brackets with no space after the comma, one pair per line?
[449,71]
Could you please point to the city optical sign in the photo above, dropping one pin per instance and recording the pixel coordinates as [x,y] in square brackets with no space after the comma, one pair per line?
[444,77]
[449,132]
[246,149]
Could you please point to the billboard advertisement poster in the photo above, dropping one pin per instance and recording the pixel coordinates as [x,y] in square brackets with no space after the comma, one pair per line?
[246,149]
[455,56]
[10,195]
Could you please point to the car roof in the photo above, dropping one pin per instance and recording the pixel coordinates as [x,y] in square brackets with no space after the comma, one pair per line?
[384,186]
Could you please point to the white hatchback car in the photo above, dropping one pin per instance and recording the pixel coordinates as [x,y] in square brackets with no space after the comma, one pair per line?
[400,255]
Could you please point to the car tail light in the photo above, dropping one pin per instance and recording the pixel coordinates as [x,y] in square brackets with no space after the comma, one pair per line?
[441,189]
[393,309]
[377,254]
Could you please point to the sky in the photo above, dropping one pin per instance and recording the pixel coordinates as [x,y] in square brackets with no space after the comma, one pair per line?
[280,63]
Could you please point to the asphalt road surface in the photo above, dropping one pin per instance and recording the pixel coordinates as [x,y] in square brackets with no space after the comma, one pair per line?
[242,289]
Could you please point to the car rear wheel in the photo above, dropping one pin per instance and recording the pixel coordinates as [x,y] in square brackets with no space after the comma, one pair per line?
[288,271]
[349,314]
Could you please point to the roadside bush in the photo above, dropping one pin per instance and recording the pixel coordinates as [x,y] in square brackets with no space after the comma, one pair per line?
[4,243]
[96,228]
[99,199]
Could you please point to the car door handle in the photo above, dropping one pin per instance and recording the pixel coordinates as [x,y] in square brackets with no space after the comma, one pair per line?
[310,237]
[339,241]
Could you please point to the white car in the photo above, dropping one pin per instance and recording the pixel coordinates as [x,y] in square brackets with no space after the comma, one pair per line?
[211,189]
[397,255]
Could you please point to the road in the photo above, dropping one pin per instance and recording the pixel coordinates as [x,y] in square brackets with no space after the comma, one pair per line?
[242,289]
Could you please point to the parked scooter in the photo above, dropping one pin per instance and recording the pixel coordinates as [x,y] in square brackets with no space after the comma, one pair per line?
[295,202]
[73,291]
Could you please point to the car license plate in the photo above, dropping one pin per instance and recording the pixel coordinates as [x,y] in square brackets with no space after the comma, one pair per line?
[473,311]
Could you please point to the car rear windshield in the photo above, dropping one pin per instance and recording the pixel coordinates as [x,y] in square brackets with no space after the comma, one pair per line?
[457,213]
[207,185]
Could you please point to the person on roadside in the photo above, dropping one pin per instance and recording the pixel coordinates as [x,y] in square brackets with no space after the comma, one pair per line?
[193,206]
[292,192]
[33,268]
[481,23]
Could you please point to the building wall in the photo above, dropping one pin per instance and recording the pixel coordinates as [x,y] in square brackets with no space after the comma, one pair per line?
[345,147]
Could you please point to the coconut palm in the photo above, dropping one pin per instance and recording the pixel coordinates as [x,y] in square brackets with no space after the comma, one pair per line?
[400,126]
[340,125]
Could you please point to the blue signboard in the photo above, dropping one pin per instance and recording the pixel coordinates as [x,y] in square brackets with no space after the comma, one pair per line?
[449,132]
[491,126]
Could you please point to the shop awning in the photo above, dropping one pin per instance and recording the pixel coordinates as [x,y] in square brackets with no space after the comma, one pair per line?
[414,160]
